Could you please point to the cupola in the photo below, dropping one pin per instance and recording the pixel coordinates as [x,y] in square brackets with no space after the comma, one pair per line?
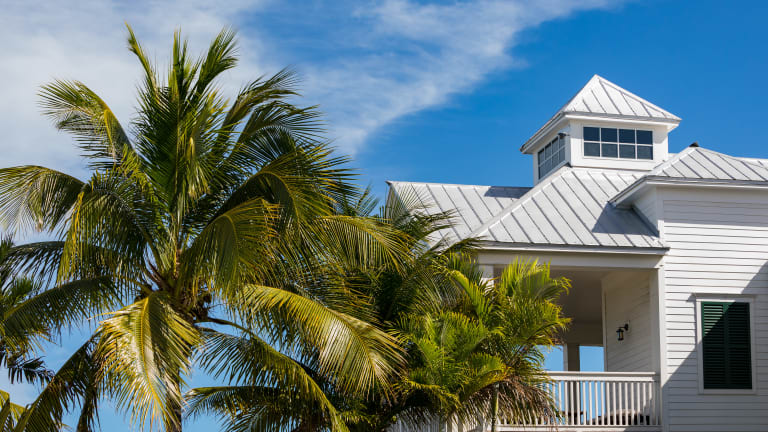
[602,126]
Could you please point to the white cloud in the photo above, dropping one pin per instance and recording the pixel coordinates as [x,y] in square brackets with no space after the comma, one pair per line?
[421,54]
[366,65]
[86,40]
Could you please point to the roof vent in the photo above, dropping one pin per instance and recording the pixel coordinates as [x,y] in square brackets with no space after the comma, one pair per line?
[694,144]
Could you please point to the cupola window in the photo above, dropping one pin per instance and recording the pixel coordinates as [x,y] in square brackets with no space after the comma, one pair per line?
[618,143]
[551,156]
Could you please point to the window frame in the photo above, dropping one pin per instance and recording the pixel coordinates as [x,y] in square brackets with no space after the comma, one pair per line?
[750,300]
[561,140]
[618,144]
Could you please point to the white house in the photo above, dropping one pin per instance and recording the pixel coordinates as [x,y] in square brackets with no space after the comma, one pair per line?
[667,253]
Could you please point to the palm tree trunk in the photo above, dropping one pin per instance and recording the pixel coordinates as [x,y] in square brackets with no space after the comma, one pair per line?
[495,407]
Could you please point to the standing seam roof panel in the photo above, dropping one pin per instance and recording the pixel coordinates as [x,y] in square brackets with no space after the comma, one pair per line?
[579,207]
[563,228]
[570,207]
[603,220]
[575,223]
[549,229]
[717,171]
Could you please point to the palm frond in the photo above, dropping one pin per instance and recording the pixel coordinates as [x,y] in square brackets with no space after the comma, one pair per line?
[260,371]
[62,305]
[75,379]
[354,352]
[145,350]
[36,197]
[77,109]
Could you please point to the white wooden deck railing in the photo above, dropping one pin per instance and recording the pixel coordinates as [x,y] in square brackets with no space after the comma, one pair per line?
[600,400]
[587,401]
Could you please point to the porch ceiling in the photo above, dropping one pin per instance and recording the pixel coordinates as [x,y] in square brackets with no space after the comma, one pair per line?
[583,305]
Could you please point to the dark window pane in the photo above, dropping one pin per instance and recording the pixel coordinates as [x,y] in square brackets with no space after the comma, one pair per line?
[644,137]
[627,151]
[591,134]
[627,136]
[726,349]
[644,152]
[561,154]
[548,151]
[591,149]
[610,150]
[608,135]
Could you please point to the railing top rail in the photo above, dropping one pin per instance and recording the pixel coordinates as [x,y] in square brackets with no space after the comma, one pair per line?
[613,376]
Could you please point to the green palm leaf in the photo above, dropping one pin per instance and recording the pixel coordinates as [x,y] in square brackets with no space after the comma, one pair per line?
[355,352]
[145,350]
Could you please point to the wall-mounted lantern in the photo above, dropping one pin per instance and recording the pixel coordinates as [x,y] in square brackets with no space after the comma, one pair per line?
[620,331]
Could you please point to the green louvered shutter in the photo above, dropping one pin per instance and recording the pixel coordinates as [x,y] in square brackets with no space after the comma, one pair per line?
[726,351]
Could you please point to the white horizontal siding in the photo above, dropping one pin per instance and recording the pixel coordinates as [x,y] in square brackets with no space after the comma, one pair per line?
[627,299]
[718,246]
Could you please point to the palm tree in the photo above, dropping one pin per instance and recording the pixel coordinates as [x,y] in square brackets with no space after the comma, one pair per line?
[379,294]
[474,348]
[17,344]
[478,352]
[197,237]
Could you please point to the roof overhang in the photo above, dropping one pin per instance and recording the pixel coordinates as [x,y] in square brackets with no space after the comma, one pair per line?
[558,119]
[552,248]
[626,197]
[577,258]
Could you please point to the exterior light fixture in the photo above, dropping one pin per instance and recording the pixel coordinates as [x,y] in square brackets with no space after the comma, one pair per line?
[620,331]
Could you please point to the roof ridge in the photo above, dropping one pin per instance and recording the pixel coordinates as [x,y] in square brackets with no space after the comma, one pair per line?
[454,184]
[641,99]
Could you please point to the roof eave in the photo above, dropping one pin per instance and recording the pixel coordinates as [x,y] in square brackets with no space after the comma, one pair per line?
[544,130]
[625,198]
[534,247]
[671,123]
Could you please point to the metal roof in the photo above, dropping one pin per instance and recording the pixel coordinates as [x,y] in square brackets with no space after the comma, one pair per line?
[701,163]
[572,207]
[763,162]
[698,165]
[568,208]
[470,205]
[602,98]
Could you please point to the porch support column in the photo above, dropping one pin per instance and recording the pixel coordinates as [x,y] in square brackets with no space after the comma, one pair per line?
[487,272]
[572,359]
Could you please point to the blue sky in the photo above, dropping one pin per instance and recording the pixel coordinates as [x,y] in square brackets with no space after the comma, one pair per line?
[414,90]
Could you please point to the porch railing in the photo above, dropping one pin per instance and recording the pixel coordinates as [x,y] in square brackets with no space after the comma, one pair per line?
[586,401]
[600,400]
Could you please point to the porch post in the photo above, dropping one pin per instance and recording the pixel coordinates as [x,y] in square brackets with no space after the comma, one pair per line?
[573,360]
[487,270]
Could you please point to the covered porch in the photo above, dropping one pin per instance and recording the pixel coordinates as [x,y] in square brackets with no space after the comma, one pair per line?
[613,306]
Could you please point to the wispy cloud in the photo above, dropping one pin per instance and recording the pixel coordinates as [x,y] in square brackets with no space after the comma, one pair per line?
[86,40]
[413,56]
[367,65]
